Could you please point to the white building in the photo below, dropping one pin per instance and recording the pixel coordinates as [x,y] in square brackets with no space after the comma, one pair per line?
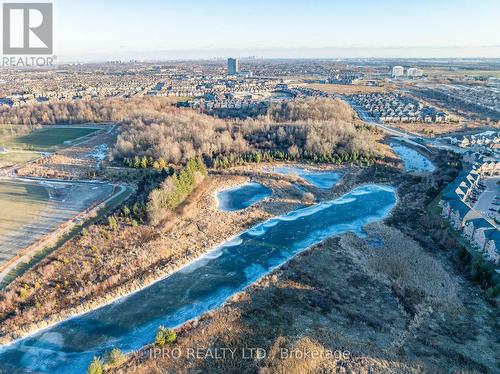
[398,71]
[413,73]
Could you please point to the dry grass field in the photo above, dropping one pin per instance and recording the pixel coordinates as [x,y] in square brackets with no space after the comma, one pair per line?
[31,210]
[345,89]
[76,162]
[438,72]
[15,158]
[438,129]
[20,203]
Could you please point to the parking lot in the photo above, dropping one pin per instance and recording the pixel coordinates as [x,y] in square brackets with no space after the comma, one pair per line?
[488,202]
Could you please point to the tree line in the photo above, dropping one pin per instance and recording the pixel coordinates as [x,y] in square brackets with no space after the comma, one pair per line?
[145,162]
[174,190]
[155,133]
[82,111]
[232,159]
[317,129]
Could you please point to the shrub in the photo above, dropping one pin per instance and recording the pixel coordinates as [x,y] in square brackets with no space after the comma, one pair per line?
[308,197]
[24,292]
[165,336]
[112,223]
[126,211]
[95,367]
[494,291]
[115,358]
[175,189]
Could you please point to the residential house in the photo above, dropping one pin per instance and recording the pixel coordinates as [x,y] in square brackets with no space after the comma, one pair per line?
[474,225]
[460,213]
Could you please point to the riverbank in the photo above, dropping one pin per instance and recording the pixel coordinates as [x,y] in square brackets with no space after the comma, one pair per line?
[67,284]
[203,286]
[392,310]
[346,295]
[138,256]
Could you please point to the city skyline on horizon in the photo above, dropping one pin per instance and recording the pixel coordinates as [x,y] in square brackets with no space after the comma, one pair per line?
[154,30]
[486,52]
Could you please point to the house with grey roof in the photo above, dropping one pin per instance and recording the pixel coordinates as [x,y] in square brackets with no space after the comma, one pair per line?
[480,237]
[474,225]
[460,213]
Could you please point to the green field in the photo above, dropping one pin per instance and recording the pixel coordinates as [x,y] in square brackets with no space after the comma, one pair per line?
[47,138]
[20,203]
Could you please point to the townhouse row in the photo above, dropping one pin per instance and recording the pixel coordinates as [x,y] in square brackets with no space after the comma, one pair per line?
[481,233]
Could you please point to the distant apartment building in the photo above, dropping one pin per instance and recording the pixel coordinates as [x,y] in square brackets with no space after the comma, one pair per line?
[413,73]
[398,71]
[233,66]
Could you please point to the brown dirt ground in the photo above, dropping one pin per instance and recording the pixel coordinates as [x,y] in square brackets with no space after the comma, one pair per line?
[437,129]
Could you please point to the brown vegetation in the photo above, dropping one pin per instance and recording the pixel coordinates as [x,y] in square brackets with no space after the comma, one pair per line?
[410,268]
[346,89]
[81,111]
[334,304]
[392,317]
[152,127]
[437,129]
[307,128]
[119,256]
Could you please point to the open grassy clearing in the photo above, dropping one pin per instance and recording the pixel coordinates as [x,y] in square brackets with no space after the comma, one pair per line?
[10,130]
[47,138]
[19,203]
[31,210]
[461,73]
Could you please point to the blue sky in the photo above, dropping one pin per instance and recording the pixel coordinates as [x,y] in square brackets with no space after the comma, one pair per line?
[152,28]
